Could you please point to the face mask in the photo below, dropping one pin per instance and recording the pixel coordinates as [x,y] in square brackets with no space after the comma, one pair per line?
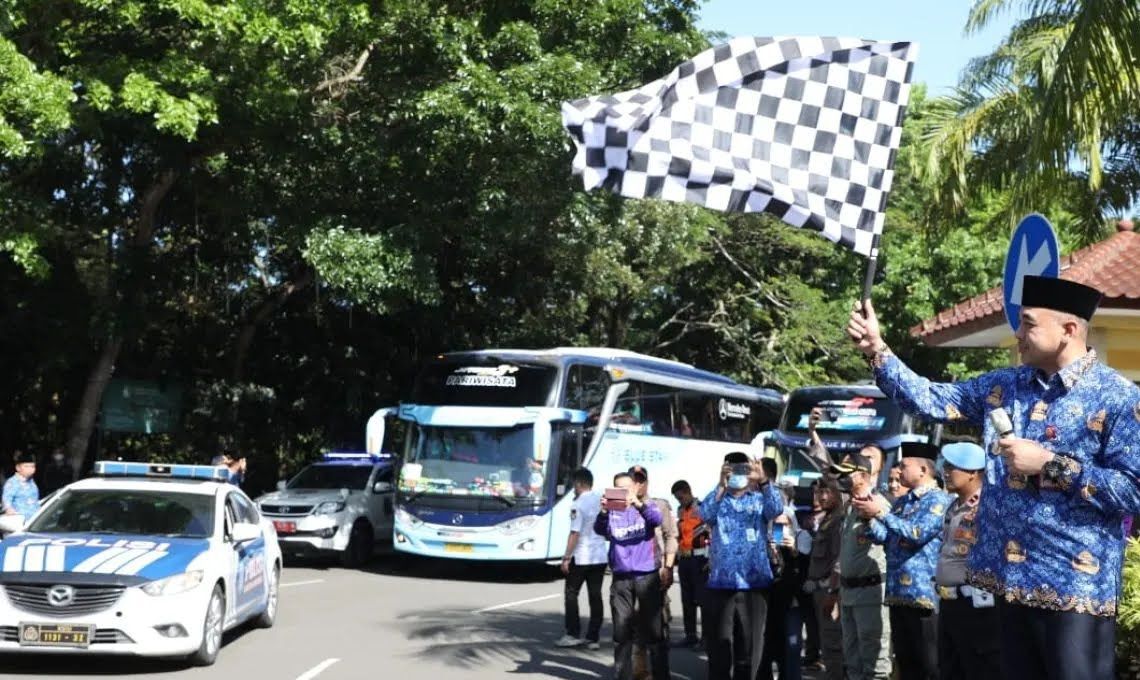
[58,458]
[737,482]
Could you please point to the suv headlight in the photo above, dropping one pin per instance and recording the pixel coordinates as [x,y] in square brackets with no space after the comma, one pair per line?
[518,524]
[329,508]
[172,585]
[405,517]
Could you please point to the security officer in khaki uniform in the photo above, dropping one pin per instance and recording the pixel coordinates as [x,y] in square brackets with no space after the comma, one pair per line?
[968,633]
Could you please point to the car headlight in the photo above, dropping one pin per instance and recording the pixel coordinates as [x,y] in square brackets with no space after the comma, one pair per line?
[405,517]
[172,585]
[329,508]
[518,524]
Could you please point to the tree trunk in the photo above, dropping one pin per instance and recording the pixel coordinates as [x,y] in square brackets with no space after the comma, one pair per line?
[264,311]
[79,433]
[81,427]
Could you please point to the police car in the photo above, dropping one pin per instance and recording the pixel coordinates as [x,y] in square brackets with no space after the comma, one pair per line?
[144,559]
[341,505]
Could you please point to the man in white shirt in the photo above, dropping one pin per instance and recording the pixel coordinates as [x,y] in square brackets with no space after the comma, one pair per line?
[584,561]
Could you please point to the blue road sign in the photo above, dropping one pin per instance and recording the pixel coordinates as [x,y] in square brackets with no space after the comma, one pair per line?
[1033,250]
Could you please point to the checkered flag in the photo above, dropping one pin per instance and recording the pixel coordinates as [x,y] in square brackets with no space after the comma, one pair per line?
[804,128]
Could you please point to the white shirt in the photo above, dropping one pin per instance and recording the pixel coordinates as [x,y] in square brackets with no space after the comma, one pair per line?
[591,548]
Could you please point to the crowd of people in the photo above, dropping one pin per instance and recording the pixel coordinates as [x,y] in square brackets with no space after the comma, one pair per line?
[970,561]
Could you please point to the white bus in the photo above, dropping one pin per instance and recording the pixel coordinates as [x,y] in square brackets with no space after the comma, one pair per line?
[494,435]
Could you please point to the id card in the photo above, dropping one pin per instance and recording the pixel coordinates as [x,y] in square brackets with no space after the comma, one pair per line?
[750,534]
[982,599]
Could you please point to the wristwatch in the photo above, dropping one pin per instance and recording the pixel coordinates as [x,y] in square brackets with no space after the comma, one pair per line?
[1060,471]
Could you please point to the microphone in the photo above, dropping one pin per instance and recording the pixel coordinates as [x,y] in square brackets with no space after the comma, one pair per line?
[1001,422]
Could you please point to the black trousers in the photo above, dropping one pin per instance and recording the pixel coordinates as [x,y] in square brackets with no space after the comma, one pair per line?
[914,634]
[1049,645]
[691,574]
[969,641]
[592,575]
[644,592]
[735,656]
[811,628]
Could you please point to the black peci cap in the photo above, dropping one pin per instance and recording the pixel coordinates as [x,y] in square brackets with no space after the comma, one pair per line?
[918,450]
[1060,295]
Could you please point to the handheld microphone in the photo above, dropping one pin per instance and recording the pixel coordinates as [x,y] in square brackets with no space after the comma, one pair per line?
[1001,422]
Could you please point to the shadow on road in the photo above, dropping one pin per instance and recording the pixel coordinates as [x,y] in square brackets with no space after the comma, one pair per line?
[96,665]
[402,565]
[523,642]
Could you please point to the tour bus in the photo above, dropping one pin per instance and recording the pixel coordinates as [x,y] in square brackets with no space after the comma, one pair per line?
[853,416]
[494,435]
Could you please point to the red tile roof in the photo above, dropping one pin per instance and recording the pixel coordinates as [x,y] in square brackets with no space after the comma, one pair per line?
[1111,266]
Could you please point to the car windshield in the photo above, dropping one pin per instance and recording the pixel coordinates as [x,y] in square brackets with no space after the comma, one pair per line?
[473,461]
[119,511]
[332,476]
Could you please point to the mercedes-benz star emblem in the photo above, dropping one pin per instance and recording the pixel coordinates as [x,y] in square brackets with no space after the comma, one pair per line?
[457,518]
[60,596]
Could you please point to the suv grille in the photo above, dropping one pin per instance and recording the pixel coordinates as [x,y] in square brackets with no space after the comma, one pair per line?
[88,599]
[287,510]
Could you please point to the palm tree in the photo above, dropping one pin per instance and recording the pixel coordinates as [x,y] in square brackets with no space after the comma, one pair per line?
[1053,112]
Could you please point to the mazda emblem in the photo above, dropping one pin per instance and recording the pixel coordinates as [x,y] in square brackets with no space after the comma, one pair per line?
[457,518]
[60,596]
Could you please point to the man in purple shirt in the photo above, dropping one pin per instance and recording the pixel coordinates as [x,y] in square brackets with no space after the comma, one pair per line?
[629,526]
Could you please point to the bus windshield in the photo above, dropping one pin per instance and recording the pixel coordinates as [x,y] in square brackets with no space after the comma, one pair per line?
[473,461]
[845,415]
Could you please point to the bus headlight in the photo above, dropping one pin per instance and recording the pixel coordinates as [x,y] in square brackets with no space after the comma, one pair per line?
[405,517]
[517,525]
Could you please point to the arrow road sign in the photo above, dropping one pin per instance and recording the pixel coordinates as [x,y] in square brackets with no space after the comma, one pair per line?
[1032,251]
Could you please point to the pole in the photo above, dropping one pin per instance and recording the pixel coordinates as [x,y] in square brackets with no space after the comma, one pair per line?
[869,277]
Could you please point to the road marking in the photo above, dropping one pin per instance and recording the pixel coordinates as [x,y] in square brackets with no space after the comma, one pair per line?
[508,605]
[302,583]
[317,670]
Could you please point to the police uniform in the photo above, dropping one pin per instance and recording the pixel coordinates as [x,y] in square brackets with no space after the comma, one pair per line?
[912,534]
[1050,547]
[968,632]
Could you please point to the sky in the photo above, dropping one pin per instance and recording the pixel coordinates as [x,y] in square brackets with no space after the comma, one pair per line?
[936,25]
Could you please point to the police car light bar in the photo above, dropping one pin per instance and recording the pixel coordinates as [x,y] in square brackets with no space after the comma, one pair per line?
[348,456]
[113,468]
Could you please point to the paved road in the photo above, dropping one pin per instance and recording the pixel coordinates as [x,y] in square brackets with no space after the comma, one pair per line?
[405,618]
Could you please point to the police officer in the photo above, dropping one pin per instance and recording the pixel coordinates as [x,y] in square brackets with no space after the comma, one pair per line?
[911,530]
[1049,544]
[968,630]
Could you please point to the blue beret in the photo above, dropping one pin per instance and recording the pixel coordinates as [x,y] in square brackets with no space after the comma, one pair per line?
[965,455]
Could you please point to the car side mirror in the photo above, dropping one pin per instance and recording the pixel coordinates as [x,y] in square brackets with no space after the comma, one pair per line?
[381,487]
[11,524]
[244,532]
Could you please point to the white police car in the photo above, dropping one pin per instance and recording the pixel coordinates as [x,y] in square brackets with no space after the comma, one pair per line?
[341,505]
[144,559]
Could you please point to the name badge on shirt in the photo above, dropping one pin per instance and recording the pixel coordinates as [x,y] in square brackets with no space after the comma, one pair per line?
[750,534]
[982,599]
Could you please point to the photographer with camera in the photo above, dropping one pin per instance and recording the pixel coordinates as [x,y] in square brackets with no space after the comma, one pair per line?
[738,512]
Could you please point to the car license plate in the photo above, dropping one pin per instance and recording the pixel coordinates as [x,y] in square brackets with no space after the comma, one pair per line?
[458,548]
[56,634]
[285,527]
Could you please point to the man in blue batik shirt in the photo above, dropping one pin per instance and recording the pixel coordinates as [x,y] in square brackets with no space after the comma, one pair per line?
[738,512]
[21,496]
[911,530]
[1049,543]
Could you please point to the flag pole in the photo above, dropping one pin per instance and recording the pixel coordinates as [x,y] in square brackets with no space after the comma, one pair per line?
[872,265]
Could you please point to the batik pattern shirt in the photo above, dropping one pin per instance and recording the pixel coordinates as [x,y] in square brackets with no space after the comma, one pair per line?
[912,534]
[22,495]
[1054,546]
[738,554]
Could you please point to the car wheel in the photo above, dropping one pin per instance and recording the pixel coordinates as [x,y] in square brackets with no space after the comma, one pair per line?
[359,547]
[268,617]
[212,629]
